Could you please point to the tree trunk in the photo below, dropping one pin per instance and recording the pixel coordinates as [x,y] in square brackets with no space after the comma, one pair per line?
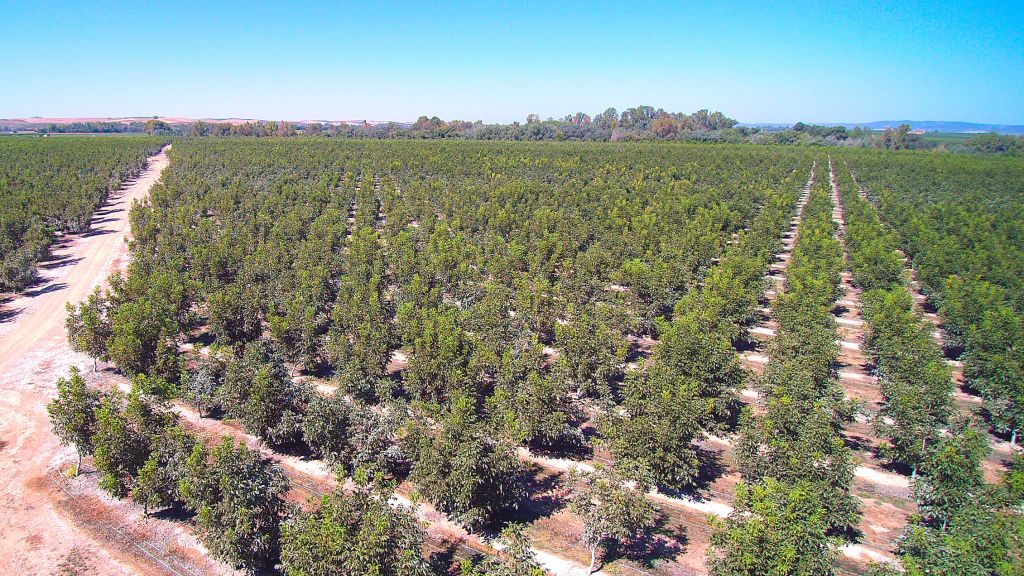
[78,470]
[94,368]
[593,559]
[1013,438]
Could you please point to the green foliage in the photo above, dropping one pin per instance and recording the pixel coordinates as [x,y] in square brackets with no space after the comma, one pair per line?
[52,185]
[199,386]
[439,363]
[516,558]
[610,511]
[697,346]
[793,446]
[350,534]
[125,432]
[148,313]
[966,526]
[796,443]
[466,473]
[88,325]
[157,483]
[536,409]
[234,314]
[776,528]
[259,393]
[994,364]
[915,380]
[652,438]
[958,218]
[325,428]
[952,477]
[238,499]
[73,414]
[591,352]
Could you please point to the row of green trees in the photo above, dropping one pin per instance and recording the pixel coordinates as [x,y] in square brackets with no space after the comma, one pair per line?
[141,451]
[794,505]
[959,220]
[914,378]
[964,526]
[236,496]
[686,390]
[50,185]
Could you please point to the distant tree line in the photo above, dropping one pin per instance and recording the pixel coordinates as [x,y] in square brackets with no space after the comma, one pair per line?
[638,123]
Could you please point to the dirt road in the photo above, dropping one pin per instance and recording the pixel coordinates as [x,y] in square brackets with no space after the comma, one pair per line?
[45,525]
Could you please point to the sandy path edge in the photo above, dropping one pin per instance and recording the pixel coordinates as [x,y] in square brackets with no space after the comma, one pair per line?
[41,528]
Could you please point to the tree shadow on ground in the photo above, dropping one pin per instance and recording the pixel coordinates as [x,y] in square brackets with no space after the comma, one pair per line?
[661,543]
[546,493]
[59,262]
[51,287]
[92,233]
[710,470]
[445,557]
[859,443]
[7,313]
[178,514]
[102,220]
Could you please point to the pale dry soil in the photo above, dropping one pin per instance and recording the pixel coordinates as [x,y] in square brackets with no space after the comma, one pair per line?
[49,525]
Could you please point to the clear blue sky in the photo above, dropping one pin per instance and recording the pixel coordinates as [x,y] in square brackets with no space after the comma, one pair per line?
[755,61]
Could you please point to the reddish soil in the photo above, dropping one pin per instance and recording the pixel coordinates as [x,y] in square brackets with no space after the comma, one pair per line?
[47,528]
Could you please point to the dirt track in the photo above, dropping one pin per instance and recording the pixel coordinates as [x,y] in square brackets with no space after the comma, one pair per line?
[44,526]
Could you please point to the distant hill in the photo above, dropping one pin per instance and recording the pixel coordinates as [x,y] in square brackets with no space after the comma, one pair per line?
[926,125]
[943,126]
